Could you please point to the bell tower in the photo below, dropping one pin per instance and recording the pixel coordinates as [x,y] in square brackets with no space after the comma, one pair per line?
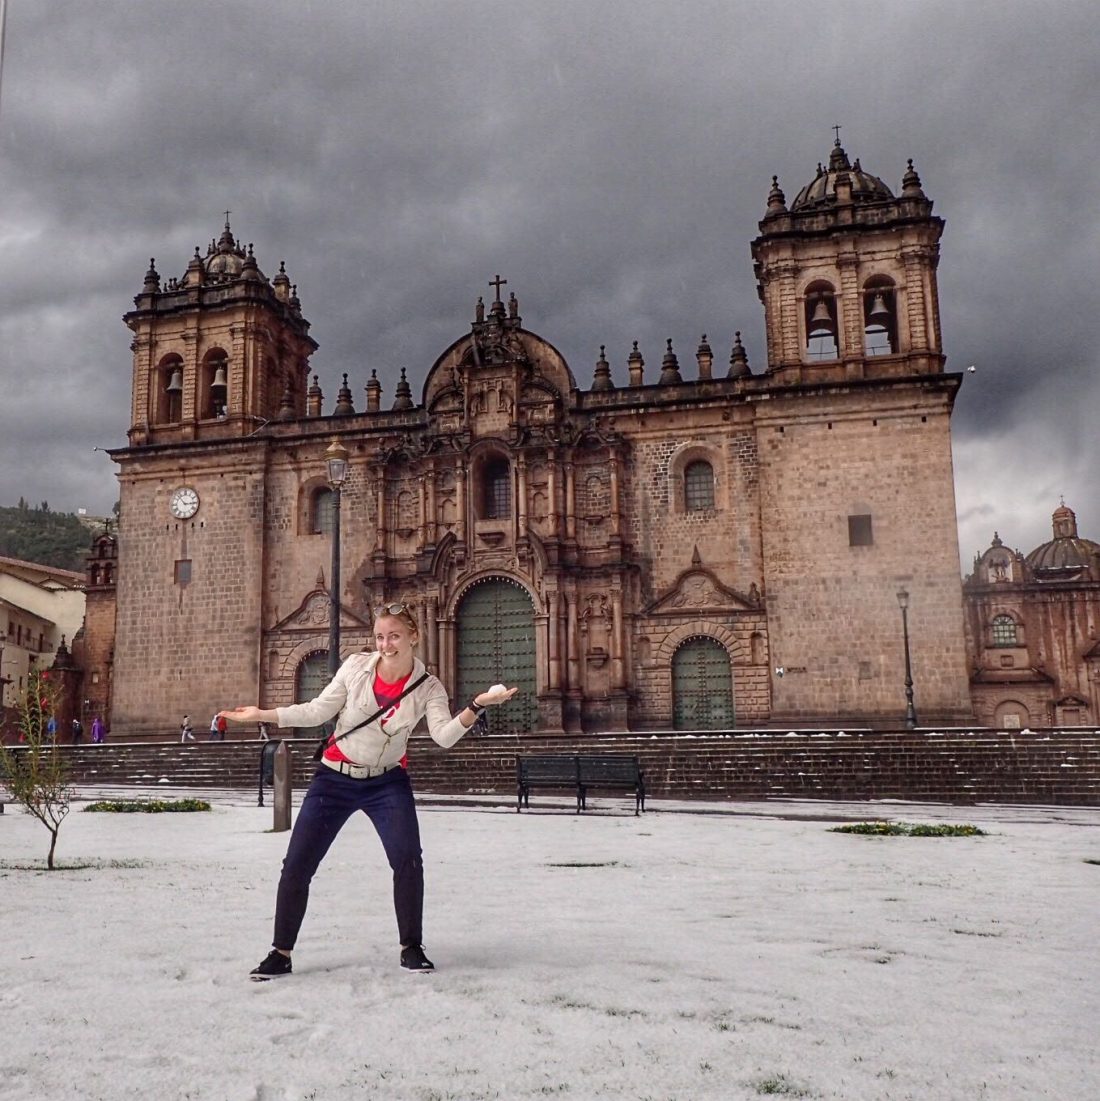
[847,276]
[218,352]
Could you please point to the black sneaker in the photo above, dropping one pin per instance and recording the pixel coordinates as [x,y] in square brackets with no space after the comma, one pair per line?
[413,959]
[272,967]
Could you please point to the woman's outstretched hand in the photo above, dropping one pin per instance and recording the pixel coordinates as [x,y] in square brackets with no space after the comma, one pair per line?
[243,714]
[497,694]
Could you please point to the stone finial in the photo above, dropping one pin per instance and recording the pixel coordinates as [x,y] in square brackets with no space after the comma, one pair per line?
[910,183]
[281,283]
[152,279]
[739,360]
[286,402]
[513,305]
[374,392]
[195,271]
[601,378]
[635,365]
[704,357]
[670,366]
[479,309]
[314,399]
[777,201]
[293,301]
[344,406]
[250,269]
[403,393]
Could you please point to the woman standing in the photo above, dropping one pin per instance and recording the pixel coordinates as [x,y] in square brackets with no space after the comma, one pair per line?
[364,771]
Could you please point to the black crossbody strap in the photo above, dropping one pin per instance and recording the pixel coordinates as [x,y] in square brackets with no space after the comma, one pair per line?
[381,711]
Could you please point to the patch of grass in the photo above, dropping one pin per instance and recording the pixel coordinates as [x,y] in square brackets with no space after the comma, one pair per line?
[779,1085]
[909,829]
[585,864]
[147,806]
[65,866]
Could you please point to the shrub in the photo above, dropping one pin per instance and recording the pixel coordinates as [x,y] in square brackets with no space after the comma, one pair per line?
[147,806]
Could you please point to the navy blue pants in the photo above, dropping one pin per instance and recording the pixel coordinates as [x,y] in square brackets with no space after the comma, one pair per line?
[330,801]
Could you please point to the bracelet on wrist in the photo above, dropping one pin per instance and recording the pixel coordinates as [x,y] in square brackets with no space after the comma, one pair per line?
[476,707]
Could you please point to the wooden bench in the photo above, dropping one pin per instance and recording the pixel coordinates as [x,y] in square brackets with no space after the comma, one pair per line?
[579,773]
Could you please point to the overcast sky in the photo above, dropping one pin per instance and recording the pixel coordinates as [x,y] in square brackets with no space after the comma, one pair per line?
[611,160]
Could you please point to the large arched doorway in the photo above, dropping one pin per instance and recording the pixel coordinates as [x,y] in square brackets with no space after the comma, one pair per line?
[309,679]
[495,635]
[702,692]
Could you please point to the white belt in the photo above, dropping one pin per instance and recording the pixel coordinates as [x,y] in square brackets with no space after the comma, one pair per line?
[358,772]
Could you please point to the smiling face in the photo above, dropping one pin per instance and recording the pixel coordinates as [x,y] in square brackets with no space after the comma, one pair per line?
[394,638]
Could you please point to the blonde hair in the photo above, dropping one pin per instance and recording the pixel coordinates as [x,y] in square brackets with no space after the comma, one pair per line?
[400,611]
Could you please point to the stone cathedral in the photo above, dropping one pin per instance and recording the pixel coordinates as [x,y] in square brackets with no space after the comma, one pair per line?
[709,546]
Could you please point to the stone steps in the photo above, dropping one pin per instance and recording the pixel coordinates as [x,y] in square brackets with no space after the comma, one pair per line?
[955,767]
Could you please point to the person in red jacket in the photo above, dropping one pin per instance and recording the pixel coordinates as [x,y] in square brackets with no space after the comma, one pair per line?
[364,771]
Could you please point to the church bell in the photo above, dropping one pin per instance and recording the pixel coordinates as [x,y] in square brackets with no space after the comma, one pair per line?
[219,382]
[175,383]
[821,318]
[879,311]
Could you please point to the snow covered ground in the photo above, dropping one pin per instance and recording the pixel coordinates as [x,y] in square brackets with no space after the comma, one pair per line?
[744,952]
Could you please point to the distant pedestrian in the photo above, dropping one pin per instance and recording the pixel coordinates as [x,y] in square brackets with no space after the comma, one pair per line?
[51,730]
[98,730]
[78,732]
[264,735]
[186,732]
[213,729]
[222,727]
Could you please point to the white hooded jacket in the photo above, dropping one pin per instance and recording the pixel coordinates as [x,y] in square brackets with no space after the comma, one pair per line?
[351,694]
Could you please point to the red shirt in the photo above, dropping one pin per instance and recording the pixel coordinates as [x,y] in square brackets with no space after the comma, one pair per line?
[387,695]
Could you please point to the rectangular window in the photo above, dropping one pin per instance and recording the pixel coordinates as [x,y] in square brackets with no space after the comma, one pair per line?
[183,571]
[859,531]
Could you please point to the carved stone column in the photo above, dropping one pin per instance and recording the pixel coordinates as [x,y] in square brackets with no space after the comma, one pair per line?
[521,494]
[431,634]
[613,465]
[460,520]
[553,603]
[570,501]
[572,641]
[616,636]
[380,506]
[552,475]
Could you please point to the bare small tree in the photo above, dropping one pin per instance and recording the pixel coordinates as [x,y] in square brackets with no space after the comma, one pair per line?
[36,772]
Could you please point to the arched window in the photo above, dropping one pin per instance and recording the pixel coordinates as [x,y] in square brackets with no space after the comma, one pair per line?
[698,486]
[1004,630]
[215,384]
[880,317]
[821,322]
[322,509]
[169,390]
[497,487]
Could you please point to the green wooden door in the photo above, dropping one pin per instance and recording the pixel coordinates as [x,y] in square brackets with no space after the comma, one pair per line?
[309,681]
[496,645]
[702,692]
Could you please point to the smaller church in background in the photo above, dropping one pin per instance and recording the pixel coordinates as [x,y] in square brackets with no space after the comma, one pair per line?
[1033,631]
[711,546]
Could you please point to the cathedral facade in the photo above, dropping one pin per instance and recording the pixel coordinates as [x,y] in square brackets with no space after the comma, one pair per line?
[705,547]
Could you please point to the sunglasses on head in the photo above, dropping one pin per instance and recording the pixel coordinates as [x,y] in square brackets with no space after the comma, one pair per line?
[394,609]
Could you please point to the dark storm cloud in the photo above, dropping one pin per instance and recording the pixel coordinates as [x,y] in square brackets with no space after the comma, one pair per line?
[611,160]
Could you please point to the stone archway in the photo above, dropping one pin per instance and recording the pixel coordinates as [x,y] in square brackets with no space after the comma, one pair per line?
[495,643]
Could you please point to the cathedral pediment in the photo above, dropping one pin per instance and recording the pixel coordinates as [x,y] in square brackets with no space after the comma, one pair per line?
[313,614]
[700,590]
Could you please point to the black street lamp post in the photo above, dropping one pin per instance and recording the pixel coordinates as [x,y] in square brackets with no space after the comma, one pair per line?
[336,457]
[910,710]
